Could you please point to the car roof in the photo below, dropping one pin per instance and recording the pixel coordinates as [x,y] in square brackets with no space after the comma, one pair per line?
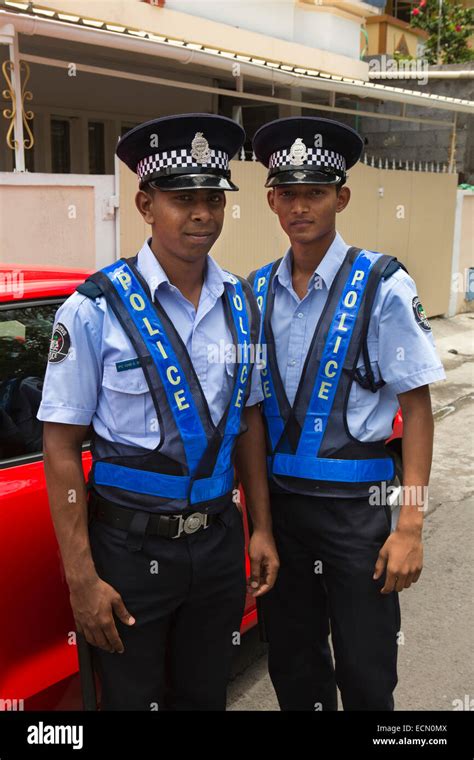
[20,283]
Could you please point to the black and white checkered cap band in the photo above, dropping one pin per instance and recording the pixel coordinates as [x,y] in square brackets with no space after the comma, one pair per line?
[180,158]
[315,157]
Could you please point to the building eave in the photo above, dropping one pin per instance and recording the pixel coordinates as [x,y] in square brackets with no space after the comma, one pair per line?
[252,69]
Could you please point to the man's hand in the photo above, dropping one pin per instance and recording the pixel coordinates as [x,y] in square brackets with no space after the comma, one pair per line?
[252,471]
[93,603]
[264,563]
[402,554]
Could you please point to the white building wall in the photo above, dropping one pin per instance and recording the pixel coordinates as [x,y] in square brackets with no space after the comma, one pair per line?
[274,18]
[282,19]
[327,31]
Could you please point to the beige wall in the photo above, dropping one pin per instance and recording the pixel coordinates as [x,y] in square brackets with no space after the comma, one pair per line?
[407,214]
[50,225]
[57,219]
[385,37]
[394,36]
[414,220]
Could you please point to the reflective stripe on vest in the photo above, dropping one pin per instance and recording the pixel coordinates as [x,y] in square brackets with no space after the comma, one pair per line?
[305,462]
[180,400]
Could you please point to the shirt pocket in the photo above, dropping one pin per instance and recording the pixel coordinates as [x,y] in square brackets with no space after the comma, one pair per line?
[226,382]
[364,396]
[127,395]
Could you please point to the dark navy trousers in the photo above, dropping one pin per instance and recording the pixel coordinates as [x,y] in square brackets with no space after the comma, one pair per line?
[328,549]
[187,596]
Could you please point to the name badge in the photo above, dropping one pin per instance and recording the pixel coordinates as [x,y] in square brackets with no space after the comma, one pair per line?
[127,364]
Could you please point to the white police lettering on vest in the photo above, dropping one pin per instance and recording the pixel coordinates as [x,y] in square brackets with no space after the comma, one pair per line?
[330,370]
[350,302]
[172,373]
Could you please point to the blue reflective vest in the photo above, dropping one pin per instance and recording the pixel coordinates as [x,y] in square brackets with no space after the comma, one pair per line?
[192,465]
[310,448]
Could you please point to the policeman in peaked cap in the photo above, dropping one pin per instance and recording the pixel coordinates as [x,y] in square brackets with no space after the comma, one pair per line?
[337,372]
[156,356]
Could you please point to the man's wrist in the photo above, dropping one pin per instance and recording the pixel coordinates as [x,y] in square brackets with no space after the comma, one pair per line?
[410,519]
[263,528]
[261,522]
[78,578]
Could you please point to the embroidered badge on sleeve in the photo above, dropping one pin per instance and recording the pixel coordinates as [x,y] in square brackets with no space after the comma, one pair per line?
[420,314]
[60,344]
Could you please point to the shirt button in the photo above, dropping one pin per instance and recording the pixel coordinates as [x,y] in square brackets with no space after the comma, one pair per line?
[300,315]
[292,362]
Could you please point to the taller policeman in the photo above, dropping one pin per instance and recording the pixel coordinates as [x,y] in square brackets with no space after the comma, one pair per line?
[348,342]
[156,352]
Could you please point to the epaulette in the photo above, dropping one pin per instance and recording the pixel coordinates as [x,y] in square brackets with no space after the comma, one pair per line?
[89,289]
[392,268]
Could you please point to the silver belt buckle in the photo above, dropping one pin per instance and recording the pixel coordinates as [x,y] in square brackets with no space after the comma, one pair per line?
[191,524]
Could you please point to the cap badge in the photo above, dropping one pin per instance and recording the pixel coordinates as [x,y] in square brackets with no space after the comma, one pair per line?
[200,149]
[298,152]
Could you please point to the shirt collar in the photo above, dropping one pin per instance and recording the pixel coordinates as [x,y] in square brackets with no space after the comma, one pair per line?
[154,274]
[326,269]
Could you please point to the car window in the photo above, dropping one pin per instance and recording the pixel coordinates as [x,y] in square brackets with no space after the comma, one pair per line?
[25,333]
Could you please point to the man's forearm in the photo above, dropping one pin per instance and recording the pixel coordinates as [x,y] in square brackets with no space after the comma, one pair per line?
[417,452]
[68,504]
[252,469]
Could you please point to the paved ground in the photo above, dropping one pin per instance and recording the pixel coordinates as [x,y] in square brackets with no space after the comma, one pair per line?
[436,665]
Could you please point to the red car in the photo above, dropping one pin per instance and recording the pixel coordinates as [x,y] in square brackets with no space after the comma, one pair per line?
[38,654]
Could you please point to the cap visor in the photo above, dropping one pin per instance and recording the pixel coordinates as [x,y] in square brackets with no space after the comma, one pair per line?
[302,177]
[192,182]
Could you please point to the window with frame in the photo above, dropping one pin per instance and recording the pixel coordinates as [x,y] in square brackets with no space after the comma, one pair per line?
[60,146]
[25,334]
[96,136]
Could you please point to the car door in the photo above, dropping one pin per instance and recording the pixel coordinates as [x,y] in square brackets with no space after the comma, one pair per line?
[38,657]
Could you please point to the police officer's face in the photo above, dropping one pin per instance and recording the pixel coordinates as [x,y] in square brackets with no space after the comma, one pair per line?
[307,212]
[186,223]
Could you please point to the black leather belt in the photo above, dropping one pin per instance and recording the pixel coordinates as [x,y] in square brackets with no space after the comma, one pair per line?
[169,526]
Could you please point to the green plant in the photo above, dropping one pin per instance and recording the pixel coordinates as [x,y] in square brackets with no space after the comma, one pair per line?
[448,31]
[401,57]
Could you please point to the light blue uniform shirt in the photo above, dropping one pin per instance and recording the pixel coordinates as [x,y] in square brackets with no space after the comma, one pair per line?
[87,387]
[401,351]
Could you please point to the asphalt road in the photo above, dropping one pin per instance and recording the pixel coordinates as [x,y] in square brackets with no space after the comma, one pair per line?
[436,664]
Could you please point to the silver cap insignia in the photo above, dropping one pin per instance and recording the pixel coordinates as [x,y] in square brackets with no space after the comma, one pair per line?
[200,150]
[298,152]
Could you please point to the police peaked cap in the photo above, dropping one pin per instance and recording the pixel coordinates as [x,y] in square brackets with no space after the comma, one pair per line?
[306,150]
[188,151]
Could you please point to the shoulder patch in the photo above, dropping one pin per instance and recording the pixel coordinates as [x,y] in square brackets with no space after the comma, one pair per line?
[60,344]
[420,314]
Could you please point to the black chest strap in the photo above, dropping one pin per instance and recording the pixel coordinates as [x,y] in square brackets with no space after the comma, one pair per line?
[366,377]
